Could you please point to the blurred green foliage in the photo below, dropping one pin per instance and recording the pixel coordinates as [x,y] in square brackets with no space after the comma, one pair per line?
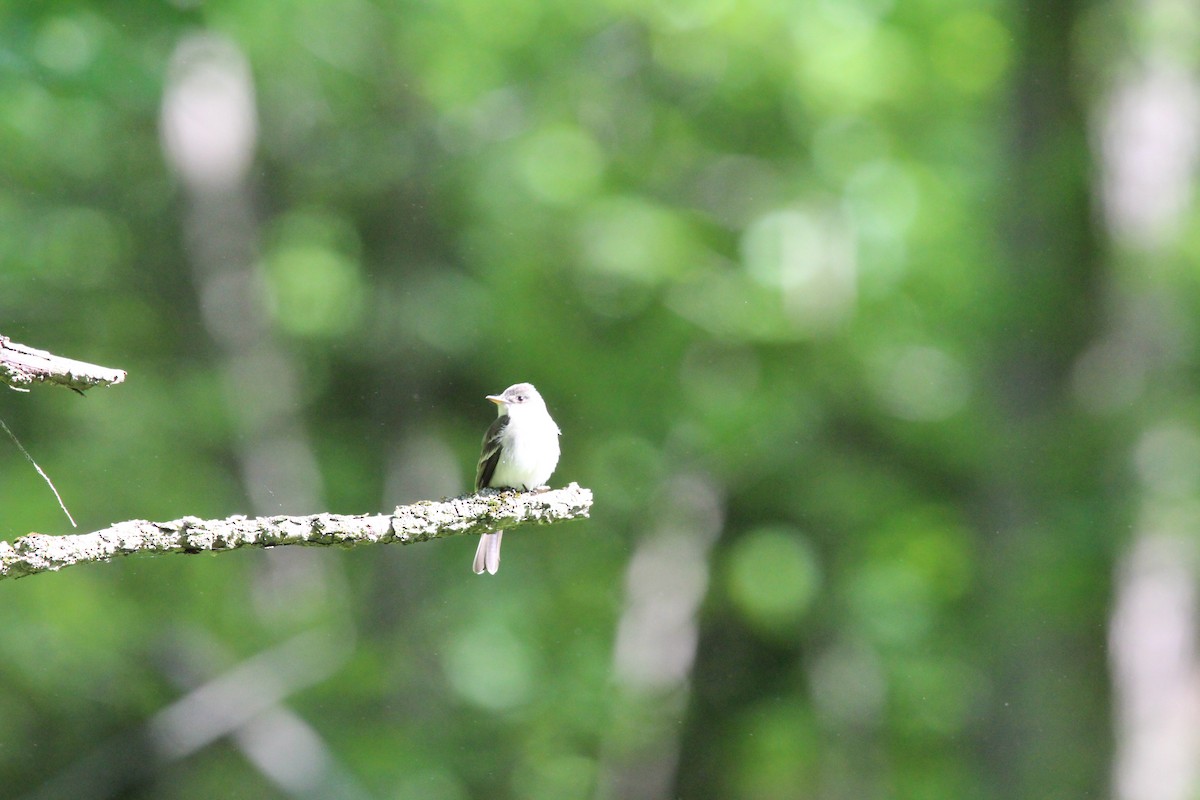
[771,266]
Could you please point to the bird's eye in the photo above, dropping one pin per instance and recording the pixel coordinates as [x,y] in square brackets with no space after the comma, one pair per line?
[520,398]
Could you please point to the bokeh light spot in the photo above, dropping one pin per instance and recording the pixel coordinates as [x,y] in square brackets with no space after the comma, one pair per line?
[636,239]
[690,14]
[66,44]
[848,62]
[1168,460]
[882,199]
[778,746]
[937,696]
[809,259]
[891,603]
[555,777]
[489,667]
[842,145]
[773,577]
[561,164]
[848,685]
[919,383]
[971,51]
[315,291]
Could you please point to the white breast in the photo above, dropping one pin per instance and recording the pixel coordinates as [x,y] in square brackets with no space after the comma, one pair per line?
[529,453]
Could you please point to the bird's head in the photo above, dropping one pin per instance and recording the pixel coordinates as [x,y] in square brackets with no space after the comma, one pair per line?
[516,399]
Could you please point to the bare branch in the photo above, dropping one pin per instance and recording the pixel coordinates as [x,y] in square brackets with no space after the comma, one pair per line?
[22,366]
[471,515]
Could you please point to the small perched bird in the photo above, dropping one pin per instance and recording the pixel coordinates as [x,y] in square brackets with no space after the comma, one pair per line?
[520,451]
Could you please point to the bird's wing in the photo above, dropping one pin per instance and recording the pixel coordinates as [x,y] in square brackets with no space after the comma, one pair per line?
[491,453]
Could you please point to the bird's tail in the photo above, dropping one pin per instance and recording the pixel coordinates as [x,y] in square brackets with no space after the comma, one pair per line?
[487,555]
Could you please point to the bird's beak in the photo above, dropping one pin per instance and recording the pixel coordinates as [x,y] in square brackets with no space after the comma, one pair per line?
[495,398]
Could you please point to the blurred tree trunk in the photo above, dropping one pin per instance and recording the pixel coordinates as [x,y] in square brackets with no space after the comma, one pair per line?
[1149,154]
[1046,519]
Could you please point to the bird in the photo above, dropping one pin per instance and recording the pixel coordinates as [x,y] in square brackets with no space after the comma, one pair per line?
[520,451]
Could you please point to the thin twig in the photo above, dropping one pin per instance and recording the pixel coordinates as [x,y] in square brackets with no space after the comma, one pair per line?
[45,477]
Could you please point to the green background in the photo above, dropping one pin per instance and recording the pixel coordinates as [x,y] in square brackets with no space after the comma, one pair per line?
[814,290]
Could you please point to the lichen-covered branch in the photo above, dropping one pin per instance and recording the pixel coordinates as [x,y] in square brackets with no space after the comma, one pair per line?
[22,366]
[474,514]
